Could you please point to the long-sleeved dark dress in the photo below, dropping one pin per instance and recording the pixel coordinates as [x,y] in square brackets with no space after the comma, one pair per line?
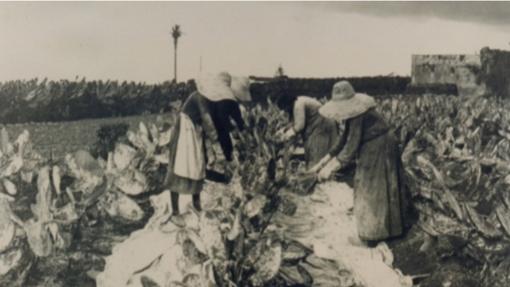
[211,120]
[379,201]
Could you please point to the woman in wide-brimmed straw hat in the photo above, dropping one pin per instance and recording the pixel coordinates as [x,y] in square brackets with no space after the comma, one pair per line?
[206,113]
[378,185]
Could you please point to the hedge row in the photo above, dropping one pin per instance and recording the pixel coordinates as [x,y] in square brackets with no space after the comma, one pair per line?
[320,88]
[53,101]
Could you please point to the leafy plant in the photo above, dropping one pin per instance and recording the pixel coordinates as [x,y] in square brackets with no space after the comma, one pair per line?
[456,164]
[237,242]
[107,136]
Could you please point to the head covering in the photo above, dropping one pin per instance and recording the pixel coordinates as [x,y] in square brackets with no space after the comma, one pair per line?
[241,88]
[345,103]
[216,87]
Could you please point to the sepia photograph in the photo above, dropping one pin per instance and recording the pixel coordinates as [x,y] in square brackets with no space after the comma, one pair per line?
[254,144]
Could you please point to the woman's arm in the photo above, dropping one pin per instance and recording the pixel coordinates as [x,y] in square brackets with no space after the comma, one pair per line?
[335,149]
[299,115]
[352,141]
[335,160]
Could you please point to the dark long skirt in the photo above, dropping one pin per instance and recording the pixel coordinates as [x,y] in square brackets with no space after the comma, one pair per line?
[173,182]
[379,201]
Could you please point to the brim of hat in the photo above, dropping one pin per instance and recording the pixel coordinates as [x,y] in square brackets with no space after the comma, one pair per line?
[347,109]
[241,92]
[214,90]
[243,96]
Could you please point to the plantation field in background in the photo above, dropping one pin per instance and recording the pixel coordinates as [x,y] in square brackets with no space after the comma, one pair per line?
[455,152]
[60,138]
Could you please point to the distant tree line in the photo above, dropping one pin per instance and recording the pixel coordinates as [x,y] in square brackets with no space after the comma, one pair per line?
[35,101]
[43,100]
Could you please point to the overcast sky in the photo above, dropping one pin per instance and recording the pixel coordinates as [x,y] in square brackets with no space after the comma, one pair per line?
[131,40]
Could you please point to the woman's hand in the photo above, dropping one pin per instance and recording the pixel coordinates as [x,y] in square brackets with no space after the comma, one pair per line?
[332,166]
[317,167]
[279,134]
[289,134]
[314,169]
[284,134]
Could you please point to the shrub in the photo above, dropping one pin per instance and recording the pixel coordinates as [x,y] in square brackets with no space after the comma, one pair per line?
[107,136]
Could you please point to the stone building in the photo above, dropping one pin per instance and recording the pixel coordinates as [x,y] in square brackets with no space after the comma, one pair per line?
[437,70]
[475,74]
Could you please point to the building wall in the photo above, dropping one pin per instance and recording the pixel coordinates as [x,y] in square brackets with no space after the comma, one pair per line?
[495,71]
[461,70]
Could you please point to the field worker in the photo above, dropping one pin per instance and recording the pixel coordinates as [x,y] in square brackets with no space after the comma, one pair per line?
[319,133]
[223,110]
[378,183]
[204,113]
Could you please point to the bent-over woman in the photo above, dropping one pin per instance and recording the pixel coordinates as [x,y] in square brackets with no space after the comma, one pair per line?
[318,132]
[205,113]
[378,182]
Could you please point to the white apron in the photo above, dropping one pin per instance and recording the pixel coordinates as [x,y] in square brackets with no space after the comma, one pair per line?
[189,157]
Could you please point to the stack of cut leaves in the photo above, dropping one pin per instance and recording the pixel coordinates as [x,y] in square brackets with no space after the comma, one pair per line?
[458,168]
[236,241]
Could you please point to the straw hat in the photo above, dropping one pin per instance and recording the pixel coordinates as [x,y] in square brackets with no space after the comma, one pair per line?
[241,88]
[345,103]
[216,87]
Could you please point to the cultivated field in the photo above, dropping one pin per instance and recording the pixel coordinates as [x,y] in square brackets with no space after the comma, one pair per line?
[57,139]
[455,152]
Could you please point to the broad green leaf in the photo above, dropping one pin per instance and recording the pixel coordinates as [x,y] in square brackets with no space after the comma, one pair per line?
[5,146]
[504,218]
[10,187]
[255,205]
[56,178]
[265,259]
[123,156]
[7,227]
[482,225]
[119,205]
[39,237]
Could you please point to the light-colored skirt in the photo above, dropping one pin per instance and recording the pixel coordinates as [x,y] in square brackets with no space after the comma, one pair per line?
[186,167]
